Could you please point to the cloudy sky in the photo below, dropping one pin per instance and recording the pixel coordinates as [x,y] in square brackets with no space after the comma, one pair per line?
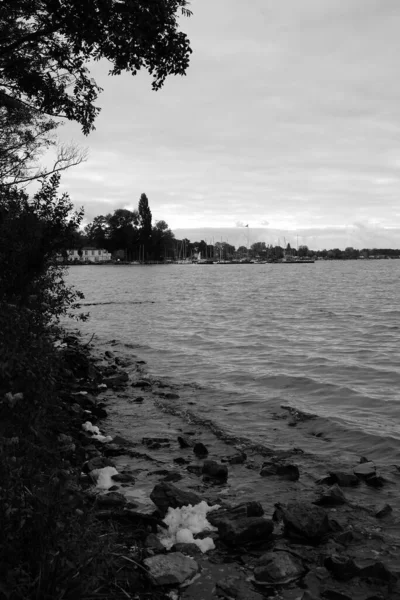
[288,120]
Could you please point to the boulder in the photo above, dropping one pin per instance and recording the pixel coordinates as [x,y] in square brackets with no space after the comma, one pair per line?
[344,479]
[245,509]
[215,470]
[278,568]
[305,520]
[332,497]
[170,569]
[184,442]
[123,478]
[166,495]
[200,450]
[364,470]
[284,470]
[375,481]
[111,500]
[378,570]
[153,543]
[245,530]
[98,462]
[117,380]
[236,588]
[342,567]
[141,383]
[383,511]
[237,459]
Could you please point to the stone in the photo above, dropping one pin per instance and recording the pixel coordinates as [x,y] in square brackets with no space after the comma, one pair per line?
[184,442]
[245,530]
[383,511]
[378,570]
[331,594]
[112,449]
[172,476]
[364,470]
[305,520]
[153,543]
[284,470]
[166,495]
[171,396]
[138,400]
[110,500]
[195,469]
[123,478]
[215,470]
[237,459]
[344,479]
[179,460]
[117,380]
[245,509]
[332,497]
[98,462]
[236,588]
[278,568]
[141,383]
[156,440]
[375,481]
[189,549]
[342,567]
[170,569]
[200,449]
[109,354]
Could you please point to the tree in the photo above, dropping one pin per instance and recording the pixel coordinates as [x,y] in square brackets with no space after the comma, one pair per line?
[303,251]
[98,232]
[123,231]
[47,45]
[145,218]
[162,241]
[26,134]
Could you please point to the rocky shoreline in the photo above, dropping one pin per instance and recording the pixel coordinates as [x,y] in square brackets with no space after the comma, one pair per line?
[306,534]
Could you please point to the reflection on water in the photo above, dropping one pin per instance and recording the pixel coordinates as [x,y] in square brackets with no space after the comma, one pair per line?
[321,337]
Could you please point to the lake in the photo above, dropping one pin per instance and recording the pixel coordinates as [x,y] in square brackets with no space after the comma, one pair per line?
[243,341]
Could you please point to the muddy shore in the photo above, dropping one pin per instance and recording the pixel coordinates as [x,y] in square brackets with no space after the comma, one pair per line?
[286,528]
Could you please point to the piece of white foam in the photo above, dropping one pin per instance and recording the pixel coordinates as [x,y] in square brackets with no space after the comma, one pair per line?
[186,521]
[103,475]
[91,428]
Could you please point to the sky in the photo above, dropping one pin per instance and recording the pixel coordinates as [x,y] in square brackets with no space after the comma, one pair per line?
[288,120]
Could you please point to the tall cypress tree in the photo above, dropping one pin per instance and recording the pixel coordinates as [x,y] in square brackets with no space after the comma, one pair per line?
[145,222]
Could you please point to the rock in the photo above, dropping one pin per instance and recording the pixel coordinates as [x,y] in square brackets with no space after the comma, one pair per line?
[364,470]
[98,462]
[141,383]
[171,396]
[342,567]
[171,569]
[179,460]
[195,469]
[112,449]
[189,549]
[165,495]
[184,442]
[378,570]
[236,588]
[383,511]
[156,440]
[331,594]
[237,459]
[305,520]
[111,500]
[278,568]
[375,481]
[200,449]
[214,469]
[109,354]
[99,412]
[284,470]
[344,479]
[172,476]
[123,478]
[138,400]
[332,497]
[116,381]
[121,441]
[245,530]
[245,509]
[153,543]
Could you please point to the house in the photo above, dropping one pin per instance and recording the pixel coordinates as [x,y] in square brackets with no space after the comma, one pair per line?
[89,254]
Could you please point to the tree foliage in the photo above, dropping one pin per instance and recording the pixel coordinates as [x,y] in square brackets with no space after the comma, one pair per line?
[47,45]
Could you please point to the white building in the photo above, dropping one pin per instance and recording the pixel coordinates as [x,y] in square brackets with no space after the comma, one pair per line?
[89,254]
